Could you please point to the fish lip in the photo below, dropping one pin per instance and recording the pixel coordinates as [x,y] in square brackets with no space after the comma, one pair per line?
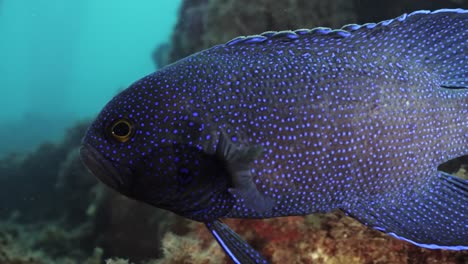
[103,169]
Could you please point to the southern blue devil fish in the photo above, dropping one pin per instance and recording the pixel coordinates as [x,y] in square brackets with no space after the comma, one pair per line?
[298,122]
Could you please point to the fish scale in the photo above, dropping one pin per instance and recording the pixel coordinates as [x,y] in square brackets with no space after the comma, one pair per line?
[299,122]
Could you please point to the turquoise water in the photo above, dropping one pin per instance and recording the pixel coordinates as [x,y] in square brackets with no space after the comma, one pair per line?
[61,61]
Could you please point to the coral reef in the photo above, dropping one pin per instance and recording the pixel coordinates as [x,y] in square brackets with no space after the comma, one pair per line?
[29,244]
[189,249]
[330,238]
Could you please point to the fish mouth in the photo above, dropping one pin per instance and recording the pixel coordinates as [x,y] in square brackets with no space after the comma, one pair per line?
[104,170]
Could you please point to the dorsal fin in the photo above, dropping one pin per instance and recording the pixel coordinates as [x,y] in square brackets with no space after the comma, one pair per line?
[434,216]
[344,31]
[436,40]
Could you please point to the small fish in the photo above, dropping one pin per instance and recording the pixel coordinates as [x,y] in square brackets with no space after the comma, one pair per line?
[299,122]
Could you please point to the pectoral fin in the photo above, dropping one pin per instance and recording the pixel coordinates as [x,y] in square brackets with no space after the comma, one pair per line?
[239,251]
[238,159]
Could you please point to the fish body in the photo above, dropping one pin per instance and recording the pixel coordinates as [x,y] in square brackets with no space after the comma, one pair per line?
[299,122]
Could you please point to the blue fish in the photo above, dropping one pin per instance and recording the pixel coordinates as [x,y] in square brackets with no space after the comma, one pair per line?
[299,122]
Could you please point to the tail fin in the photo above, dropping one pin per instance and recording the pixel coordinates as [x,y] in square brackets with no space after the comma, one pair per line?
[434,216]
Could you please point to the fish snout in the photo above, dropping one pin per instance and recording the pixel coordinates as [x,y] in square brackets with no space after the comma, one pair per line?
[103,169]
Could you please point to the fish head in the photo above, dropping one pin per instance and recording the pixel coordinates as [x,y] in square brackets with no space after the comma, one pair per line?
[144,146]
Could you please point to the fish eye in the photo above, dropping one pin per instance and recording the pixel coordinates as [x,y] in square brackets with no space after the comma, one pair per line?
[122,130]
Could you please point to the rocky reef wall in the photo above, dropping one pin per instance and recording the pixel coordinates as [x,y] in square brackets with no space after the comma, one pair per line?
[204,23]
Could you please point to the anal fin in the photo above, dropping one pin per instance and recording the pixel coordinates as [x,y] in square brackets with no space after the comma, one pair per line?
[434,215]
[239,251]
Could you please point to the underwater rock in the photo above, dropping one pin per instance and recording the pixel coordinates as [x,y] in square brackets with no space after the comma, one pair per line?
[187,35]
[77,188]
[131,229]
[203,23]
[161,55]
[33,177]
[371,10]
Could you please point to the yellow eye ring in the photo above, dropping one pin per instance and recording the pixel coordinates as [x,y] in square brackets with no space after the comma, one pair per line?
[122,130]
